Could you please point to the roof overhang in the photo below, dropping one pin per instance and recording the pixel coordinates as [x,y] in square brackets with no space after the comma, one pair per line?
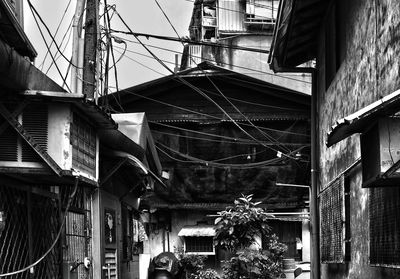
[12,32]
[361,120]
[196,231]
[295,33]
[99,118]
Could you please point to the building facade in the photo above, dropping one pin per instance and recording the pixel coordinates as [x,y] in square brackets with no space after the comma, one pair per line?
[355,102]
[240,33]
[70,178]
[210,162]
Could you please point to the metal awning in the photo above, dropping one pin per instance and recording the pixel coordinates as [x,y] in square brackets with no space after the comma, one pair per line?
[198,230]
[132,161]
[359,121]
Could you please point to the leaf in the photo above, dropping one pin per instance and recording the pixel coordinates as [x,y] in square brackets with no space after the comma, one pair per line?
[217,220]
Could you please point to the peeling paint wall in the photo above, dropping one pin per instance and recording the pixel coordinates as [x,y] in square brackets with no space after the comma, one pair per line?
[369,71]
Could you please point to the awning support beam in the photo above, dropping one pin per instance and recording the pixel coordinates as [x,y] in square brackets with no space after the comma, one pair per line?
[113,170]
[391,170]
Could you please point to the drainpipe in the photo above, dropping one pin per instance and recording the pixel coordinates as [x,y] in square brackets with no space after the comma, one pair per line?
[314,206]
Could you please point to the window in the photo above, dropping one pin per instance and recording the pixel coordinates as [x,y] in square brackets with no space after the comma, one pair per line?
[335,222]
[199,245]
[384,212]
[83,140]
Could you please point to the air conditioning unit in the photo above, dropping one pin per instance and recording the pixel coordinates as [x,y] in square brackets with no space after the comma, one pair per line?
[63,134]
[380,153]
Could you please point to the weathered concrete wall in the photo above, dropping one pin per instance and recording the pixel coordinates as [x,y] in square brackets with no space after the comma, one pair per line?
[370,70]
[255,64]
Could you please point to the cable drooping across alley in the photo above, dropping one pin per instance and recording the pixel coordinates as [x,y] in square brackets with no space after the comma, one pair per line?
[270,138]
[54,242]
[183,81]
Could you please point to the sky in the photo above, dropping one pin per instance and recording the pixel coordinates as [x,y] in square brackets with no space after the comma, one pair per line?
[143,16]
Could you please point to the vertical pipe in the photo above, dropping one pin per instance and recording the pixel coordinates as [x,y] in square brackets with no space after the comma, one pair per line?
[315,253]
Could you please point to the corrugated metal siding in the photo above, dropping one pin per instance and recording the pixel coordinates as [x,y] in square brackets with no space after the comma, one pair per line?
[231,16]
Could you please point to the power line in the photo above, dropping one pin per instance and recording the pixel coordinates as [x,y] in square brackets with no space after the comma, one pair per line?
[50,34]
[69,32]
[189,41]
[200,113]
[198,90]
[55,34]
[47,46]
[227,64]
[227,141]
[192,159]
[239,140]
[223,95]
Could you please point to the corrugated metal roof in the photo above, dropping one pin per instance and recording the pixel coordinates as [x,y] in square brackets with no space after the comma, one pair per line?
[198,230]
[360,120]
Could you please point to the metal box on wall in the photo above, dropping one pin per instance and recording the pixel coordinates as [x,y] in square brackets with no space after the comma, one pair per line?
[380,150]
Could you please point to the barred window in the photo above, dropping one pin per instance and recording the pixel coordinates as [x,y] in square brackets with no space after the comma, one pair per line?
[83,140]
[202,244]
[335,227]
[384,214]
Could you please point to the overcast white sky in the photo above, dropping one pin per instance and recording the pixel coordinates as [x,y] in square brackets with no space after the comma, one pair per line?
[142,15]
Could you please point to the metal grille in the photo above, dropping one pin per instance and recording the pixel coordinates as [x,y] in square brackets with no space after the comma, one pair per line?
[199,244]
[332,220]
[35,121]
[110,264]
[77,230]
[384,211]
[83,140]
[31,222]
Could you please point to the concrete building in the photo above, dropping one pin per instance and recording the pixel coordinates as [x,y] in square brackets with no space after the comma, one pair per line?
[194,135]
[70,179]
[355,101]
[240,34]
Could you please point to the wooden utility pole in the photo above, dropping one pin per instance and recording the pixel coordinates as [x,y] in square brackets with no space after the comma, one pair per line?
[91,50]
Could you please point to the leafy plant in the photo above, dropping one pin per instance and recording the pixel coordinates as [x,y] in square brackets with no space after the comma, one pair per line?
[237,228]
[206,274]
[239,225]
[191,263]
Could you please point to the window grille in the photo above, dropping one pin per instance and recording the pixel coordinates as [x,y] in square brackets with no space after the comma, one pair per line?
[77,231]
[202,244]
[384,214]
[83,140]
[332,215]
[32,220]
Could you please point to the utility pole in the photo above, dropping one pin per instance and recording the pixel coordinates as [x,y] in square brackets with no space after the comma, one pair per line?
[77,48]
[91,49]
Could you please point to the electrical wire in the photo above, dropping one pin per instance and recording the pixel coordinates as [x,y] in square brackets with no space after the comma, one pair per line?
[227,64]
[227,141]
[47,46]
[288,155]
[69,32]
[55,34]
[223,95]
[34,11]
[54,242]
[204,133]
[189,41]
[204,114]
[147,67]
[192,159]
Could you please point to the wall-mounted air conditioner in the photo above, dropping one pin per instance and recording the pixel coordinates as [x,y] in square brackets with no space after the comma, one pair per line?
[63,134]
